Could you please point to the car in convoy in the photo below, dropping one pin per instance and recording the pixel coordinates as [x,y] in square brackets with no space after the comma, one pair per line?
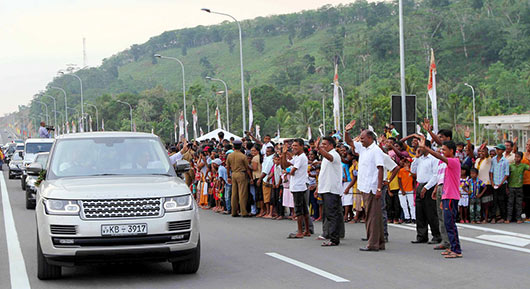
[15,165]
[113,197]
[32,147]
[31,178]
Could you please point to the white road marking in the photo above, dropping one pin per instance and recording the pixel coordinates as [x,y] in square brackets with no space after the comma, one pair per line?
[17,267]
[308,267]
[524,250]
[503,232]
[510,240]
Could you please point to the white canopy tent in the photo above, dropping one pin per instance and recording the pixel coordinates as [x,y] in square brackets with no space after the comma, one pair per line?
[213,134]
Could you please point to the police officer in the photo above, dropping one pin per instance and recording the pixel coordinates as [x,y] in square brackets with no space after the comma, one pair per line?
[239,173]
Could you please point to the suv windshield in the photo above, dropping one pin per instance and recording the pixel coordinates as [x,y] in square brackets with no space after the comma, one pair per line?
[109,156]
[33,148]
[42,159]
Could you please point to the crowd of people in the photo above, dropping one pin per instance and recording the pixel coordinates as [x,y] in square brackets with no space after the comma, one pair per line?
[427,180]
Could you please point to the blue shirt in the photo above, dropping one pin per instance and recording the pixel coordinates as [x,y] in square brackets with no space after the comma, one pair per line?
[500,169]
[346,172]
[43,132]
[223,174]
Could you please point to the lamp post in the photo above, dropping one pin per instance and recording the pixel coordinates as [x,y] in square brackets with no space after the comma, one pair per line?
[54,109]
[183,89]
[402,71]
[62,115]
[97,115]
[81,86]
[130,111]
[36,100]
[65,101]
[241,62]
[474,116]
[226,100]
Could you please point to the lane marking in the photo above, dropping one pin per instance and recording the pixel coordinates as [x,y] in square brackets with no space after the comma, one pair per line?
[17,266]
[524,250]
[510,240]
[503,232]
[308,268]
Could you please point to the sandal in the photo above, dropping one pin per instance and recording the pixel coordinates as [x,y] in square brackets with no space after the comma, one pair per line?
[295,236]
[329,244]
[453,256]
[307,234]
[446,252]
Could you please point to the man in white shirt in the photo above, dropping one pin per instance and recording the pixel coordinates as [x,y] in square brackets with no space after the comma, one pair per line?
[425,167]
[370,184]
[264,181]
[330,188]
[298,184]
[179,155]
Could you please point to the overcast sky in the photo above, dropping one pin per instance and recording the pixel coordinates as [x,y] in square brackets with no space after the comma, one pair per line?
[39,37]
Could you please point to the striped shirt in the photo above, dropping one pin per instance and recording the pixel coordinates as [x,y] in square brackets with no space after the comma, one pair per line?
[500,169]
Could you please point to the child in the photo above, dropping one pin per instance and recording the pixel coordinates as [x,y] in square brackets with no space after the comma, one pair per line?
[347,197]
[357,197]
[450,194]
[515,185]
[406,187]
[463,203]
[476,189]
[460,151]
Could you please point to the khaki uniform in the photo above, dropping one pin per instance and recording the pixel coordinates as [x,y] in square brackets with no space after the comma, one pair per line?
[238,164]
[189,175]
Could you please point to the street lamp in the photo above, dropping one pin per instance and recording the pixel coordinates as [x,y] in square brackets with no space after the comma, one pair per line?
[36,100]
[241,62]
[62,115]
[183,89]
[402,71]
[342,97]
[226,96]
[474,117]
[54,109]
[65,101]
[97,116]
[81,85]
[130,111]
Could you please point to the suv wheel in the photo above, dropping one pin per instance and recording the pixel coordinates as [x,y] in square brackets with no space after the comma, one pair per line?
[191,265]
[30,204]
[46,271]
[23,182]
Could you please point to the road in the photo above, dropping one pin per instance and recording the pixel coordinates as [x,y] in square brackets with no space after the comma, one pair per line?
[234,255]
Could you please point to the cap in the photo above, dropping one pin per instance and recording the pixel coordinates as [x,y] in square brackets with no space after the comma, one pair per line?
[237,142]
[501,147]
[217,162]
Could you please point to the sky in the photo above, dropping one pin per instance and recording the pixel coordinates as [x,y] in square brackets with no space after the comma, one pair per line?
[40,37]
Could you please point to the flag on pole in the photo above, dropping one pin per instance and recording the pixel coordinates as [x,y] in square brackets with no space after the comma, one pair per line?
[258,129]
[431,87]
[74,128]
[200,131]
[250,112]
[195,120]
[102,125]
[181,126]
[278,132]
[370,128]
[320,130]
[336,101]
[218,117]
[309,135]
[90,123]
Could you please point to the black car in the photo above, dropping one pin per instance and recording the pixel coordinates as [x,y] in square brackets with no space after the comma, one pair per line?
[15,165]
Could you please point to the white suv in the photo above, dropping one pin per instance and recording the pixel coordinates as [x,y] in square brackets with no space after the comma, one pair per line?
[113,197]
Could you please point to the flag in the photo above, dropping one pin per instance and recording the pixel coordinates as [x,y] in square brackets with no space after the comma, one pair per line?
[370,128]
[152,130]
[336,101]
[278,132]
[90,123]
[431,87]
[320,130]
[67,127]
[309,135]
[64,131]
[195,120]
[73,127]
[218,117]
[418,129]
[258,135]
[250,112]
[201,132]
[102,125]
[181,126]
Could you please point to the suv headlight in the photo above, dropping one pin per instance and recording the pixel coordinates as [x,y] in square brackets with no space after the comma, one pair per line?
[61,207]
[180,203]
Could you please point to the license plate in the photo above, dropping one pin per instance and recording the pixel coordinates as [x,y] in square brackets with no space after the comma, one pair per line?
[124,230]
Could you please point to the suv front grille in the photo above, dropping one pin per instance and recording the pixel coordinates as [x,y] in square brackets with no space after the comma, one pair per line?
[63,229]
[121,208]
[179,225]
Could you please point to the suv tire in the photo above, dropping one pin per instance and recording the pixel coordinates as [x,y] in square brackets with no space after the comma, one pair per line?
[23,182]
[191,265]
[46,271]
[30,205]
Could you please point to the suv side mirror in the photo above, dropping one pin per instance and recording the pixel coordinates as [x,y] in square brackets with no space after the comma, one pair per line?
[21,154]
[182,166]
[34,169]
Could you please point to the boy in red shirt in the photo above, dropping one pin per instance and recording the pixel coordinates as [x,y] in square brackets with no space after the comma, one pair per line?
[451,194]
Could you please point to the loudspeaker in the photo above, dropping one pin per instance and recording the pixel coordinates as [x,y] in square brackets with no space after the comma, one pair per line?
[411,114]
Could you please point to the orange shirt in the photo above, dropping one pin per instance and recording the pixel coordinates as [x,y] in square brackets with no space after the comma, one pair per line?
[406,179]
[526,176]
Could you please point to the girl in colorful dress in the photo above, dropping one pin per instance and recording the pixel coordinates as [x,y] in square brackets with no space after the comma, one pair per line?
[463,203]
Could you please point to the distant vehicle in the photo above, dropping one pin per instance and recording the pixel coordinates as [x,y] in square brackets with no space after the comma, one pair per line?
[9,136]
[15,165]
[17,141]
[32,147]
[19,146]
[114,197]
[31,190]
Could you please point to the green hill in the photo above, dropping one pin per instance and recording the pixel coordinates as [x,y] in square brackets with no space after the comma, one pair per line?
[289,62]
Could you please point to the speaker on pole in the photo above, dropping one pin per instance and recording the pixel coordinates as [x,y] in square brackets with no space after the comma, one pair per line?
[411,114]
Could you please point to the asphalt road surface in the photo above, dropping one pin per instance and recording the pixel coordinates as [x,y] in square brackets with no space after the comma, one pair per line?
[254,253]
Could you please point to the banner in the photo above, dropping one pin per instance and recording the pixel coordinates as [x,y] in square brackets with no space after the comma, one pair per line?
[195,120]
[336,100]
[309,135]
[258,129]
[432,92]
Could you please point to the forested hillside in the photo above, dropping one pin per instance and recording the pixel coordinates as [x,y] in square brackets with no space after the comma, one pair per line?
[289,62]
